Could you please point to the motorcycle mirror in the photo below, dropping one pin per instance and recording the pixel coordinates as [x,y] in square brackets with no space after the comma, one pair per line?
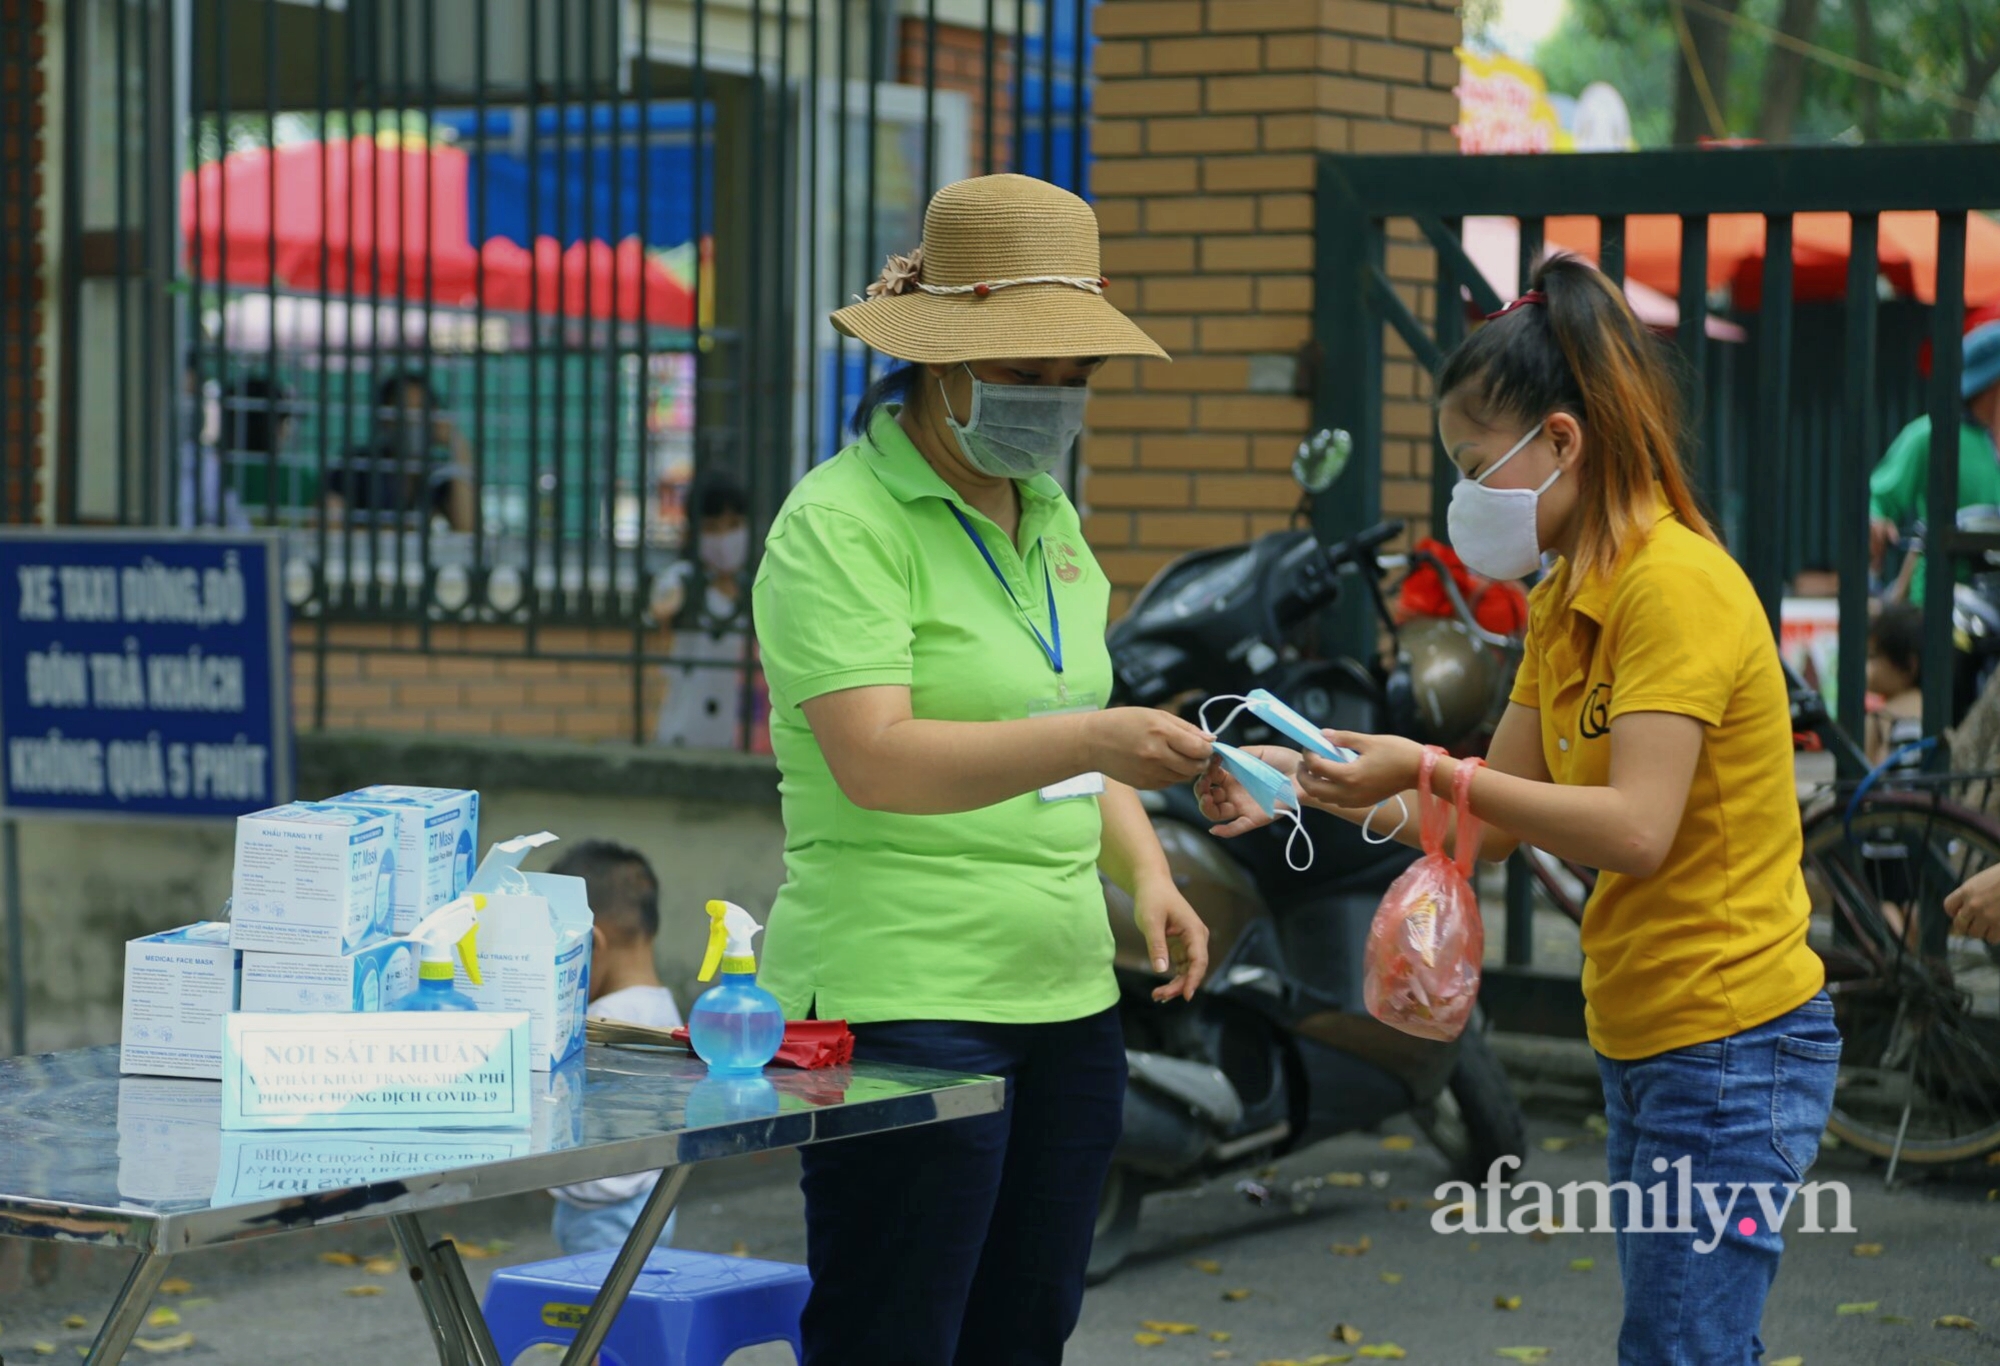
[1322,458]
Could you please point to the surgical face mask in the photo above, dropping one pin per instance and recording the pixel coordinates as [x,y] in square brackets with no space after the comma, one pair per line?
[1302,732]
[726,551]
[1272,791]
[1018,431]
[1493,530]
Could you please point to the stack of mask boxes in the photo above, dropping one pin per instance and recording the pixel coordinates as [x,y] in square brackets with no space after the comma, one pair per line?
[322,896]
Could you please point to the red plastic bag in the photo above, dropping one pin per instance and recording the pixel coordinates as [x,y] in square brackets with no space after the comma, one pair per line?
[1421,968]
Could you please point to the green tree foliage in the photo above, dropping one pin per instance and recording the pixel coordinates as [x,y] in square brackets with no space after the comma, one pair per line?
[1938,60]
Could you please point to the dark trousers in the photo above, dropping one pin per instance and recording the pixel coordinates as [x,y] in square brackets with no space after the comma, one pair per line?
[965,1243]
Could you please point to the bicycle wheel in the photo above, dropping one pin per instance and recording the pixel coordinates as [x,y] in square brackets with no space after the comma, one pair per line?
[1918,1007]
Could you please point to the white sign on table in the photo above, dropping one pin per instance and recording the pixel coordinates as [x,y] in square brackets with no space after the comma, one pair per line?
[392,1070]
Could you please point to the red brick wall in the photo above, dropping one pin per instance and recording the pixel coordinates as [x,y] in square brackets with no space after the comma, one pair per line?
[377,679]
[23,287]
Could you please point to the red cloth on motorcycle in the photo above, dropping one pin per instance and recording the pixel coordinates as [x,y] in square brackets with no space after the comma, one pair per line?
[1501,608]
[1421,965]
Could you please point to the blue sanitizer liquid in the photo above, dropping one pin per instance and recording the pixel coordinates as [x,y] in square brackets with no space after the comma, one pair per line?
[435,994]
[737,1026]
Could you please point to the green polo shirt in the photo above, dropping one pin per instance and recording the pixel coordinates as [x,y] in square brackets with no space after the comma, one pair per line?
[1899,489]
[993,915]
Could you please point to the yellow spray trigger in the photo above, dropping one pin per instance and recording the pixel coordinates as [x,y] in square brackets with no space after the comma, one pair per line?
[468,947]
[718,939]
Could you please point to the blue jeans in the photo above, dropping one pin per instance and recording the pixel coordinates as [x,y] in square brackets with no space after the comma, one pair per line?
[602,1228]
[964,1244]
[1747,1109]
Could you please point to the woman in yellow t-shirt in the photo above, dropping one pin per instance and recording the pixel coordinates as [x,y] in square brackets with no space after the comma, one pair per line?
[1649,736]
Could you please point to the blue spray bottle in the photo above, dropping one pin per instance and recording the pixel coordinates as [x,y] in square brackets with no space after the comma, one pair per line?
[452,926]
[737,1027]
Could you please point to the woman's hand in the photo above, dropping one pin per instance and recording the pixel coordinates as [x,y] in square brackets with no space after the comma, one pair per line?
[1146,748]
[1975,906]
[1224,801]
[1175,937]
[1383,767]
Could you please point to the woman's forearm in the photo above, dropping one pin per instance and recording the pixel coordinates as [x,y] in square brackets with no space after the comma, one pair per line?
[919,767]
[1131,855]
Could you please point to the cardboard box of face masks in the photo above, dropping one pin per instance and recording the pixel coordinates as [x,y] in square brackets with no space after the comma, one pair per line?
[312,878]
[534,949]
[437,837]
[179,986]
[376,977]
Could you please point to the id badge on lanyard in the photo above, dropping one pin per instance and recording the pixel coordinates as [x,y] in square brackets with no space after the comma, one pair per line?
[1064,702]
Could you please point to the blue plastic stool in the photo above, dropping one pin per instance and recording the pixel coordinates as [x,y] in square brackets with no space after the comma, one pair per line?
[686,1308]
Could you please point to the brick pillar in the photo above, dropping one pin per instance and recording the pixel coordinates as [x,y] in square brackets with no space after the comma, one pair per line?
[1210,114]
[23,281]
[961,66]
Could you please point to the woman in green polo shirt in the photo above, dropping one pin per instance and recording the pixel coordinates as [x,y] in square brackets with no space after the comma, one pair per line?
[932,626]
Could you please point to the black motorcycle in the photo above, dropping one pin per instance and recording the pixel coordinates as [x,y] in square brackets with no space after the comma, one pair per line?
[1278,1051]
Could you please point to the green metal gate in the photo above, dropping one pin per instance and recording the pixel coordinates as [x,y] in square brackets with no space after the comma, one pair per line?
[1753,417]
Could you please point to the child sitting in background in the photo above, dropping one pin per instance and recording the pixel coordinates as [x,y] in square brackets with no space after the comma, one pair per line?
[1895,652]
[595,1216]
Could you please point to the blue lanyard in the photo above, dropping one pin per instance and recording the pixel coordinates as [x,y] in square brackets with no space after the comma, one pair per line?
[1050,647]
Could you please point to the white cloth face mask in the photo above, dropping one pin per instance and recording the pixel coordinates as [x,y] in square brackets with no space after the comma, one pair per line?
[1493,530]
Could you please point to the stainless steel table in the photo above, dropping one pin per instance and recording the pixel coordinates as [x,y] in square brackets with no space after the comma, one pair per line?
[141,1162]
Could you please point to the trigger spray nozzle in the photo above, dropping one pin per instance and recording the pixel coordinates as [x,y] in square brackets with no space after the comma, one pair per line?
[730,930]
[452,927]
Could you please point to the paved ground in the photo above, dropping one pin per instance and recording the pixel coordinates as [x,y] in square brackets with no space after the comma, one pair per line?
[279,1301]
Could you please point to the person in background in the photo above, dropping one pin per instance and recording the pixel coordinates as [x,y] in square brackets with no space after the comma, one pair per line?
[704,705]
[257,428]
[1898,489]
[417,461]
[596,1216]
[1895,654]
[203,494]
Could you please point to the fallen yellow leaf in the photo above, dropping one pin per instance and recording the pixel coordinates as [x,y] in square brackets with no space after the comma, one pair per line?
[1787,1361]
[1597,1124]
[1506,1301]
[1955,1321]
[45,1349]
[362,1292]
[1383,1351]
[1858,1307]
[173,1344]
[740,1249]
[1472,1245]
[1346,1180]
[476,1253]
[1279,1361]
[1398,1205]
[1556,1145]
[1993,1262]
[1345,1332]
[163,1318]
[1392,1278]
[1522,1353]
[1218,1337]
[1583,1264]
[76,1321]
[1236,1296]
[1172,1330]
[340,1259]
[1328,1359]
[1867,1249]
[1359,1249]
[1399,1143]
[174,1285]
[1148,1339]
[381,1266]
[1207,1268]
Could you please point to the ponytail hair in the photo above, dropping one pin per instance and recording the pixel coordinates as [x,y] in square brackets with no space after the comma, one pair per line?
[1582,352]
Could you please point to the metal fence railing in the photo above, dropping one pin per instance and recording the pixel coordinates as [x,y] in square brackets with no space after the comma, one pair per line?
[463,296]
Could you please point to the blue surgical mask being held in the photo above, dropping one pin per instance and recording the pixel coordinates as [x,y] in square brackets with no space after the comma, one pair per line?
[1494,530]
[1278,717]
[1017,431]
[1272,791]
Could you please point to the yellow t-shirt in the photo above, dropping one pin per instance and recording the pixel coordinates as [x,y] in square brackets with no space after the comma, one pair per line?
[1714,942]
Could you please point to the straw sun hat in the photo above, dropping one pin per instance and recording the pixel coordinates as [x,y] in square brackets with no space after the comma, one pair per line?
[1008,267]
